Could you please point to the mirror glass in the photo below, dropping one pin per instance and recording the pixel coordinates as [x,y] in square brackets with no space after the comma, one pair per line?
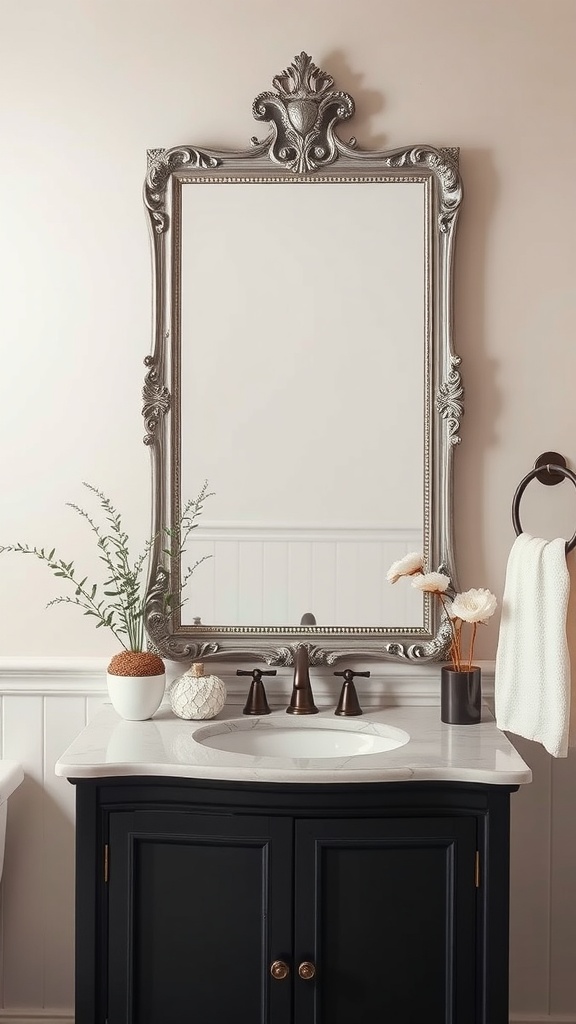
[303,366]
[290,404]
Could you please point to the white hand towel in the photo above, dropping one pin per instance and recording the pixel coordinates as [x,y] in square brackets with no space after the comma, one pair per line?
[532,681]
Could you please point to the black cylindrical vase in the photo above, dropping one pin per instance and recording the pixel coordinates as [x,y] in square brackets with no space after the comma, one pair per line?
[461,696]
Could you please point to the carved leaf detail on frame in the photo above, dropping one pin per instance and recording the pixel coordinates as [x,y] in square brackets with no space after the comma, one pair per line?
[158,626]
[449,401]
[161,164]
[155,400]
[316,655]
[444,164]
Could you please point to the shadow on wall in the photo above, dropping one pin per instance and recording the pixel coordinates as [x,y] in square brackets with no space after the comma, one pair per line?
[367,101]
[37,906]
[571,636]
[543,854]
[483,394]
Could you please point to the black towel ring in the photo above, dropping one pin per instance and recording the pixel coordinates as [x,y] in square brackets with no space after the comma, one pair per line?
[559,472]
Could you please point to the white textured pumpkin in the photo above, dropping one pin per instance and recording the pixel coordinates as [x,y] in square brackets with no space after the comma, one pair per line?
[197,696]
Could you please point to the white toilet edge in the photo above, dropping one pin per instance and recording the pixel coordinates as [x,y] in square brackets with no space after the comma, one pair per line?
[11,775]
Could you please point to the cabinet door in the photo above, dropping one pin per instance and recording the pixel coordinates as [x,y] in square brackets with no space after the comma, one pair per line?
[385,911]
[190,935]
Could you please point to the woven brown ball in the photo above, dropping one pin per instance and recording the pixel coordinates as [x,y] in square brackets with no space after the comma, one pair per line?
[136,663]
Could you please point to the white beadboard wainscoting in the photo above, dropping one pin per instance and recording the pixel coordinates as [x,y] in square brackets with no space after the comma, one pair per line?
[44,703]
[274,572]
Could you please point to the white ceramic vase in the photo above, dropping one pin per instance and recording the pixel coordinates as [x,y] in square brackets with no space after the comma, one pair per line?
[136,698]
[197,696]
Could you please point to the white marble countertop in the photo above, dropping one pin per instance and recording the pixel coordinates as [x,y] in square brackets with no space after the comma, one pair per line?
[166,746]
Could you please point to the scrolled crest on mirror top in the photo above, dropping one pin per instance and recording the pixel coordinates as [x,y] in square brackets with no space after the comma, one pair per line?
[302,113]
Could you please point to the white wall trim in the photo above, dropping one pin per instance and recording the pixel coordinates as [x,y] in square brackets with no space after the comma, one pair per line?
[53,676]
[315,532]
[86,677]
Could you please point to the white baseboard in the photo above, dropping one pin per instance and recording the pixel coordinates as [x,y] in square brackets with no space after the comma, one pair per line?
[35,1017]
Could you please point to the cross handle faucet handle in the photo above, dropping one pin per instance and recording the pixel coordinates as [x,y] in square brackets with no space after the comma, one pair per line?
[256,673]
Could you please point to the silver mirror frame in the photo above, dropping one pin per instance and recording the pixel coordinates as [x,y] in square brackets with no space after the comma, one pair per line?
[302,112]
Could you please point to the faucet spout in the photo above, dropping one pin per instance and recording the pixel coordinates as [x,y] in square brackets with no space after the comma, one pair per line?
[302,700]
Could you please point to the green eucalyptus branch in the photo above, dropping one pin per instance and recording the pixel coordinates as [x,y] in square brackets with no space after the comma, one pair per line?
[178,537]
[126,579]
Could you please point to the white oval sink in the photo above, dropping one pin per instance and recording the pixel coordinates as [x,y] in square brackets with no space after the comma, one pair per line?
[264,739]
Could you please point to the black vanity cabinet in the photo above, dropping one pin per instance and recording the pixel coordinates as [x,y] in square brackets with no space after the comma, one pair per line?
[196,901]
[222,903]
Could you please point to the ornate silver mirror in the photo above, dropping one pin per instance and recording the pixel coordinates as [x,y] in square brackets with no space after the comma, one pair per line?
[303,364]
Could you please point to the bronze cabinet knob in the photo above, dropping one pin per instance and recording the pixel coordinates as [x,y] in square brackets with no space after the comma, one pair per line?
[306,970]
[279,970]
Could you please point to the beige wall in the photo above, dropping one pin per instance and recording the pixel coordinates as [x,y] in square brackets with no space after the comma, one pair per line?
[86,87]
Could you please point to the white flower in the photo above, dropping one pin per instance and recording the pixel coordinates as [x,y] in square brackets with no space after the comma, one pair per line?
[432,583]
[407,566]
[473,606]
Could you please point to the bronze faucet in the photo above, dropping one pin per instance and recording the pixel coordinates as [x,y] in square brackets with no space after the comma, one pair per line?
[302,700]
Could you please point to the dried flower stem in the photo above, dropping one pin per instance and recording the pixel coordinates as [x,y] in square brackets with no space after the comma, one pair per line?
[457,652]
[471,651]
